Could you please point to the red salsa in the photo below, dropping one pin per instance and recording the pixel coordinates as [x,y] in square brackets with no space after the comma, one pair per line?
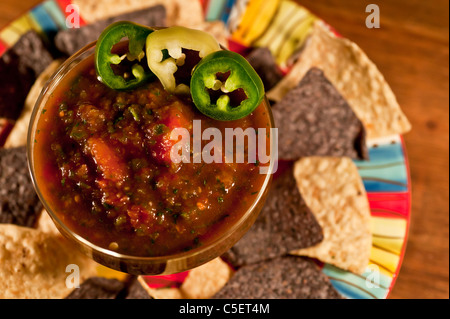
[102,160]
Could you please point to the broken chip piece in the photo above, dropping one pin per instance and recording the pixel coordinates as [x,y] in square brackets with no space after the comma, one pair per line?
[285,277]
[313,119]
[284,223]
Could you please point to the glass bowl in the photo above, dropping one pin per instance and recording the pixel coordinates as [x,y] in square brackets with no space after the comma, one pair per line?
[136,265]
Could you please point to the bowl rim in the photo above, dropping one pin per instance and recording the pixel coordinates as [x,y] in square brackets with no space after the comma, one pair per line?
[49,86]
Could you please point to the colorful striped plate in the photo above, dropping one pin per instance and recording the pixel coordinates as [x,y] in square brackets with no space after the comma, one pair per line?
[386,175]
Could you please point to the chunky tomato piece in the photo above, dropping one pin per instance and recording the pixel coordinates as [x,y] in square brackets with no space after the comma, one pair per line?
[175,115]
[143,220]
[111,165]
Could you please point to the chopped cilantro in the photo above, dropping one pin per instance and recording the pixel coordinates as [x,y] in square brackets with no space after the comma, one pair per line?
[159,129]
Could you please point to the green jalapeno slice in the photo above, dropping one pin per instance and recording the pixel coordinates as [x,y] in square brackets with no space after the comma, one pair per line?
[104,58]
[177,50]
[225,87]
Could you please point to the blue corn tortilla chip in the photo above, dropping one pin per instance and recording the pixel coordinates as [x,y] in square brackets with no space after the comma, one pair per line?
[262,60]
[136,291]
[284,223]
[98,288]
[109,288]
[19,203]
[284,277]
[33,52]
[71,40]
[314,119]
[20,66]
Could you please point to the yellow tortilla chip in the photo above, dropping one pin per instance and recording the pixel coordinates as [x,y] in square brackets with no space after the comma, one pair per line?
[334,191]
[46,224]
[161,293]
[355,76]
[33,264]
[18,135]
[202,282]
[179,12]
[205,281]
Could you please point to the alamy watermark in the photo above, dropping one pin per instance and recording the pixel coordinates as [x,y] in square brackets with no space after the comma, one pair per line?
[373,277]
[229,149]
[73,279]
[73,16]
[373,19]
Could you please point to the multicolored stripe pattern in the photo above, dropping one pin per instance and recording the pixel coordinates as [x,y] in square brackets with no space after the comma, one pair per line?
[386,176]
[387,182]
[46,19]
[28,21]
[218,10]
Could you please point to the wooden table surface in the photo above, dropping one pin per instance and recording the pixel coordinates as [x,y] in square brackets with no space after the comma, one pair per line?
[411,48]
